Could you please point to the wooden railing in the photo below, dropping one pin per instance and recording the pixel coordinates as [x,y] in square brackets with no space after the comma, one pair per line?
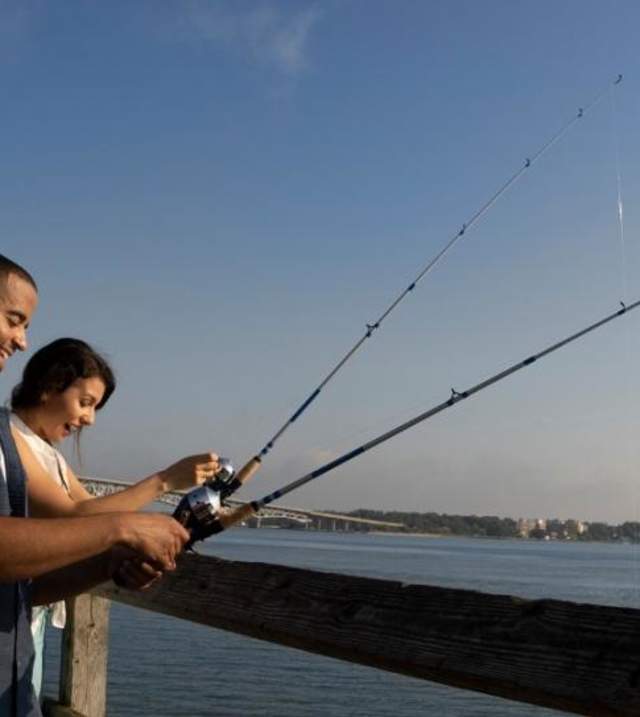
[583,659]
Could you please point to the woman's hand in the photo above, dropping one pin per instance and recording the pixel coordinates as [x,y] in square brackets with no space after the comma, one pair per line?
[189,472]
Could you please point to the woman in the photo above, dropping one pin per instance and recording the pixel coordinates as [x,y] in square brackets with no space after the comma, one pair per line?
[63,385]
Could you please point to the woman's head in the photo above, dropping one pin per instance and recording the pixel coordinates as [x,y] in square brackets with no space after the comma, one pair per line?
[63,385]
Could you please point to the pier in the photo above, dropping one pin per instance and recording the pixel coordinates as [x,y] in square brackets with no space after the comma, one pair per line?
[580,658]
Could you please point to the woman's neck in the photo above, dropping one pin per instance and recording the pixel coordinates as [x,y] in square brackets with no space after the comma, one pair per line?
[30,417]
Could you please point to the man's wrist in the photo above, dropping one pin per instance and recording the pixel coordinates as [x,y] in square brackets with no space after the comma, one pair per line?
[121,533]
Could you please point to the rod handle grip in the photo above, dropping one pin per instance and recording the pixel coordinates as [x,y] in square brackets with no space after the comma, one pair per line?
[236,515]
[249,470]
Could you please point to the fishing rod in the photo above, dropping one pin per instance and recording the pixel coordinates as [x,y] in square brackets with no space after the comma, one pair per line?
[232,484]
[203,511]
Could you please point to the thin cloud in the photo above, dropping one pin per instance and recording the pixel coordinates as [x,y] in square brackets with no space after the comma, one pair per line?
[267,35]
[264,34]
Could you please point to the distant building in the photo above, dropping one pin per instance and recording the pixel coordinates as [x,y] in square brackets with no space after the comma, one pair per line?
[525,526]
[533,528]
[581,527]
[542,528]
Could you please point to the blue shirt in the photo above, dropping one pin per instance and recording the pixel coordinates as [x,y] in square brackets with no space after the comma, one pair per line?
[16,644]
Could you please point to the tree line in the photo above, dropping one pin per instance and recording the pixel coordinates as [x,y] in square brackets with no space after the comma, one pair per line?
[489,526]
[492,526]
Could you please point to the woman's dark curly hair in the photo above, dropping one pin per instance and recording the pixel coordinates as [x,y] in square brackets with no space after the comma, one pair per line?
[54,367]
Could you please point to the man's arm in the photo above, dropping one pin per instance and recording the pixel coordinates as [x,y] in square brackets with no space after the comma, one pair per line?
[31,547]
[72,580]
[119,564]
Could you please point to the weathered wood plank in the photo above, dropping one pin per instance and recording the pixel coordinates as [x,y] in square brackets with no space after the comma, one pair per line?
[578,658]
[83,674]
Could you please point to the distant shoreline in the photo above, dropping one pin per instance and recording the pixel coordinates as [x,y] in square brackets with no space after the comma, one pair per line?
[441,536]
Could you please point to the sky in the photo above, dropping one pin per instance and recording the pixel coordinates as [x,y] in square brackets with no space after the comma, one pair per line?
[220,195]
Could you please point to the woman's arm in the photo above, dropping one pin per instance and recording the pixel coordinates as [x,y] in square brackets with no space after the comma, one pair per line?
[132,498]
[48,499]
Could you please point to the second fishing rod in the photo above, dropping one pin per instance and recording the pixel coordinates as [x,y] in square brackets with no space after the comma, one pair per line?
[203,511]
[231,483]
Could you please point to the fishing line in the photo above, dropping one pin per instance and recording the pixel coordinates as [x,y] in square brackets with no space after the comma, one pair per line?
[252,466]
[616,149]
[627,459]
[225,519]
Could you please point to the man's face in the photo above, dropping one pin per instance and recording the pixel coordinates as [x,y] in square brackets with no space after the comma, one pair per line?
[18,301]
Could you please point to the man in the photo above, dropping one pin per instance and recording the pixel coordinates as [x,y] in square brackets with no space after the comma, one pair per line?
[42,561]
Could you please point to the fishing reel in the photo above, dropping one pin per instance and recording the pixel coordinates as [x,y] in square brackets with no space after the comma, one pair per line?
[199,510]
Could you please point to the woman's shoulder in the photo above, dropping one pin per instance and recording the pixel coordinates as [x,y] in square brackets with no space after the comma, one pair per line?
[47,453]
[24,430]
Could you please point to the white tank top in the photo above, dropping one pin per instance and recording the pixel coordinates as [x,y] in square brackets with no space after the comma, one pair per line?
[49,457]
[56,467]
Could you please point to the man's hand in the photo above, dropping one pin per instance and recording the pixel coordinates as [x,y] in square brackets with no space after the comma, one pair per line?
[143,547]
[129,571]
[156,538]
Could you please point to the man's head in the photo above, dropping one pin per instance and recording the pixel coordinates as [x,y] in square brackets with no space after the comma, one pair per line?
[18,301]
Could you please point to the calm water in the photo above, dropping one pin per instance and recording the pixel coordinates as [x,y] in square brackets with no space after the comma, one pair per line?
[162,666]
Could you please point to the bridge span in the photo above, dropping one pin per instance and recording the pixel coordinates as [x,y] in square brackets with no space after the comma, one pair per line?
[270,515]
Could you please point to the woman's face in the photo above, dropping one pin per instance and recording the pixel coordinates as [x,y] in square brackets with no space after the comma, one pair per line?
[61,414]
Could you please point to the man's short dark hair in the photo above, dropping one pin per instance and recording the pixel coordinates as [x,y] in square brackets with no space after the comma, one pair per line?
[8,267]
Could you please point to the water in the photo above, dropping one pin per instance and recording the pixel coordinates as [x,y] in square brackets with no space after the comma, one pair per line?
[164,666]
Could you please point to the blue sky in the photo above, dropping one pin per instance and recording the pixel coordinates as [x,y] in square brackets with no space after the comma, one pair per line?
[220,195]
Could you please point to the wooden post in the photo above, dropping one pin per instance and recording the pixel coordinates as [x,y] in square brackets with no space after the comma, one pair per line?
[83,672]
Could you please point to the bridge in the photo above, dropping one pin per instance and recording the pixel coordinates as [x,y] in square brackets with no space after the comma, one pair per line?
[280,515]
